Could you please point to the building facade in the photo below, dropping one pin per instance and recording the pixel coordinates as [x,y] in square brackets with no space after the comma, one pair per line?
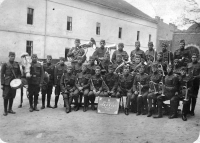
[50,26]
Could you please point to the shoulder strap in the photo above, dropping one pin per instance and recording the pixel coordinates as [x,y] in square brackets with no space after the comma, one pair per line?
[13,72]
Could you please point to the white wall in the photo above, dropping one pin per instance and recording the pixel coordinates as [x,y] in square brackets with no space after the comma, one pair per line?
[13,15]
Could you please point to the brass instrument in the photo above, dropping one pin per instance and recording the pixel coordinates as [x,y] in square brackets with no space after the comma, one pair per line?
[162,85]
[140,89]
[186,92]
[153,83]
[160,67]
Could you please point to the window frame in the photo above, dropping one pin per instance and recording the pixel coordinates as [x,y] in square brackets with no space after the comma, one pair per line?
[69,21]
[120,33]
[29,46]
[138,36]
[98,28]
[27,22]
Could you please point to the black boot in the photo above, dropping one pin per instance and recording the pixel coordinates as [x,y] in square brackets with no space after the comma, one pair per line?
[67,105]
[10,106]
[56,101]
[43,101]
[31,103]
[35,103]
[159,113]
[194,100]
[76,108]
[149,113]
[174,115]
[92,103]
[126,111]
[184,117]
[85,103]
[5,107]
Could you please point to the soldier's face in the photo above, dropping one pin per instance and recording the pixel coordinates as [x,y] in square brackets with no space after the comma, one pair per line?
[102,44]
[97,71]
[126,71]
[79,61]
[154,69]
[169,69]
[49,60]
[137,45]
[83,68]
[141,70]
[34,59]
[137,60]
[164,48]
[175,63]
[62,61]
[183,72]
[110,70]
[159,57]
[194,58]
[182,45]
[120,48]
[91,61]
[150,46]
[11,58]
[69,70]
[77,43]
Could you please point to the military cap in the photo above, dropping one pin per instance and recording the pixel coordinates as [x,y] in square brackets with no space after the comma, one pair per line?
[49,57]
[170,65]
[11,53]
[150,43]
[183,68]
[137,56]
[164,44]
[34,56]
[182,41]
[77,40]
[194,55]
[121,44]
[110,66]
[62,58]
[97,67]
[102,41]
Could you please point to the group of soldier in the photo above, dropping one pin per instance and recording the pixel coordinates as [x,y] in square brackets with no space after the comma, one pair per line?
[147,80]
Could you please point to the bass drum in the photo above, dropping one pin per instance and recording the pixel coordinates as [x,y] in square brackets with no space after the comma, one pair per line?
[16,83]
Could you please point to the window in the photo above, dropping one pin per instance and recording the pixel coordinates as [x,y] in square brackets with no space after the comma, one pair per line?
[120,33]
[138,35]
[149,37]
[98,28]
[30,16]
[29,47]
[69,23]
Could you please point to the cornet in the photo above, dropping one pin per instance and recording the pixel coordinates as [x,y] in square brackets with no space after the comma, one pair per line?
[154,86]
[160,67]
[161,83]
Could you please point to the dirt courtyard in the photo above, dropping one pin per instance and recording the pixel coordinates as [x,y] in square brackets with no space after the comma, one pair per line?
[55,126]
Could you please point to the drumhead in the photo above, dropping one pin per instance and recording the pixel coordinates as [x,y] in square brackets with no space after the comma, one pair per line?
[15,83]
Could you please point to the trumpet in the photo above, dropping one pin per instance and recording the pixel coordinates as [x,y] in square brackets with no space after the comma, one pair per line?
[160,67]
[162,85]
[140,89]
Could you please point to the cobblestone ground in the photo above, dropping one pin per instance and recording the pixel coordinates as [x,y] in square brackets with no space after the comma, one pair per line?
[55,126]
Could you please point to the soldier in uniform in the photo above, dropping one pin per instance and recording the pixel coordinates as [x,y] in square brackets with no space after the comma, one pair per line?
[76,52]
[167,55]
[96,86]
[150,53]
[182,54]
[186,83]
[91,66]
[83,85]
[125,87]
[9,71]
[118,65]
[194,71]
[102,56]
[60,69]
[162,66]
[140,88]
[78,66]
[48,68]
[135,65]
[68,88]
[120,51]
[137,51]
[177,68]
[35,82]
[155,79]
[170,93]
[111,82]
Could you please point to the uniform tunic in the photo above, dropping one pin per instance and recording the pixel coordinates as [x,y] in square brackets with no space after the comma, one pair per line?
[117,52]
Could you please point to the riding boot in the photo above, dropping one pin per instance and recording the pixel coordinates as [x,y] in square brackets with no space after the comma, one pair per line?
[159,110]
[80,101]
[85,103]
[35,103]
[76,104]
[70,102]
[56,101]
[31,103]
[10,106]
[43,101]
[194,100]
[92,99]
[48,101]
[5,107]
[66,100]
[149,112]
[167,109]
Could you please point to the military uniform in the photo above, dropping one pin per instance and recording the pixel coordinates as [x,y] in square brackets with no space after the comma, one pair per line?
[183,55]
[47,89]
[35,82]
[76,52]
[83,81]
[7,75]
[170,89]
[125,88]
[194,71]
[117,52]
[150,55]
[91,66]
[137,52]
[111,81]
[68,87]
[118,65]
[60,69]
[155,79]
[143,79]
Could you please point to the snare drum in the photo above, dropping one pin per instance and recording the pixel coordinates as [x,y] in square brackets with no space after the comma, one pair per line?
[16,83]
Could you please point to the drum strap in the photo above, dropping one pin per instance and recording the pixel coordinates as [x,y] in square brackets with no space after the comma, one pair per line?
[13,72]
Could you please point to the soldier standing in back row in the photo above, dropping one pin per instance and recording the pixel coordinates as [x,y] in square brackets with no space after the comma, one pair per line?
[49,69]
[35,82]
[137,51]
[182,54]
[120,51]
[60,69]
[9,71]
[150,53]
[167,55]
[194,71]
